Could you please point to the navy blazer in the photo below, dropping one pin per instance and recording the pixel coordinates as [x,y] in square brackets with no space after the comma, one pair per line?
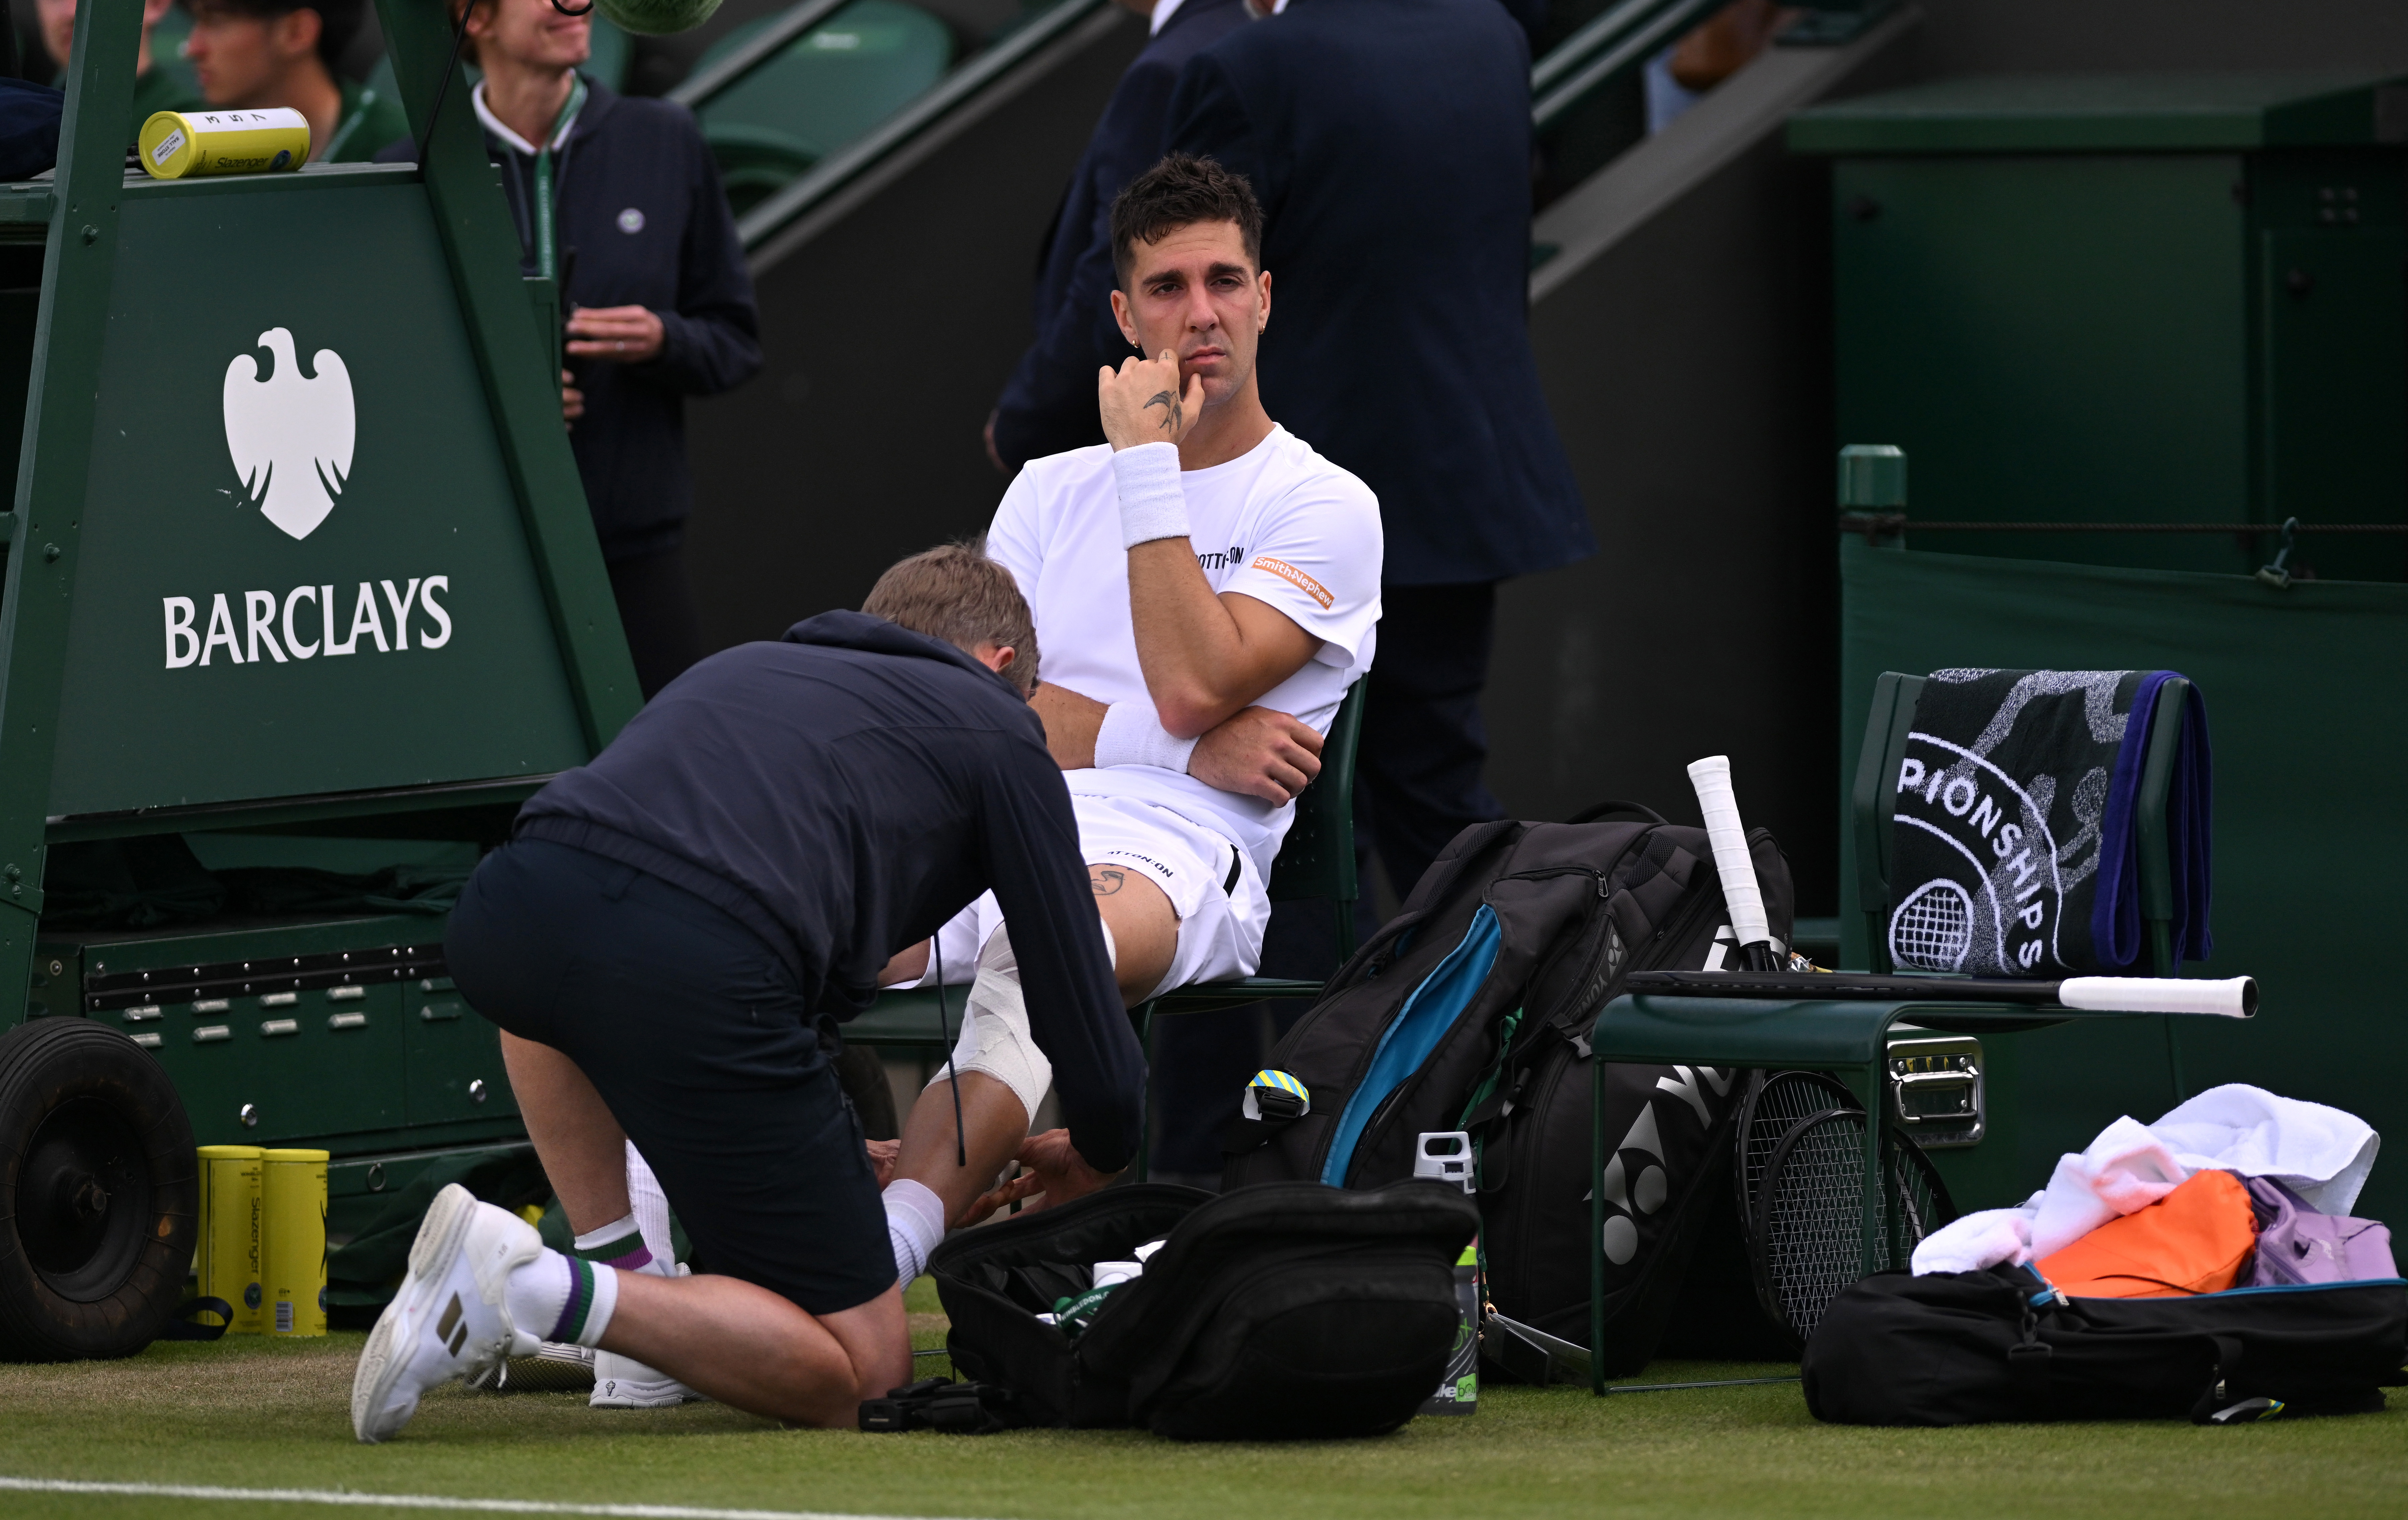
[1049,405]
[1389,141]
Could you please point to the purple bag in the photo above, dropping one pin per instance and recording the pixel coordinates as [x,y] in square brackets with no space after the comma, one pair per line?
[2297,1244]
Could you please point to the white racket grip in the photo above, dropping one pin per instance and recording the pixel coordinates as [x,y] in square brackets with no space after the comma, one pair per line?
[2232,998]
[1737,868]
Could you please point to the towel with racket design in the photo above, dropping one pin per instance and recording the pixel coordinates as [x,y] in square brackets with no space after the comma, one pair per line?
[2014,851]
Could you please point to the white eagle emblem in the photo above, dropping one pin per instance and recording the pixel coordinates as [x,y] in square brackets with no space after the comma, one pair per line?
[291,435]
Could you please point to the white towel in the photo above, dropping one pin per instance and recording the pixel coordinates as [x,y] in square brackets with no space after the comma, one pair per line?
[2322,1153]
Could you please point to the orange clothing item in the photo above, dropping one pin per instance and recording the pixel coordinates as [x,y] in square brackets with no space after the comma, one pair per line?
[2197,1239]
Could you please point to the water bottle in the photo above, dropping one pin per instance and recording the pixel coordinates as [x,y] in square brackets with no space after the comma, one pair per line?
[1445,1156]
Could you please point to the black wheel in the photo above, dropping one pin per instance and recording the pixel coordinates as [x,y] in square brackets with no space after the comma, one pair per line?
[1807,1237]
[99,1187]
[1775,1102]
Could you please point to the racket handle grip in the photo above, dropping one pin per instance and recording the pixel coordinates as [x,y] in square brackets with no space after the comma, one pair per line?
[1710,776]
[2231,998]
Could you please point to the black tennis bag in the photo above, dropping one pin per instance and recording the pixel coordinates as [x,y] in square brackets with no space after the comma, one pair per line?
[1963,1348]
[1552,917]
[1284,1311]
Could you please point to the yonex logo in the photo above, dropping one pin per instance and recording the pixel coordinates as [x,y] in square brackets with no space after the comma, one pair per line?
[1632,1197]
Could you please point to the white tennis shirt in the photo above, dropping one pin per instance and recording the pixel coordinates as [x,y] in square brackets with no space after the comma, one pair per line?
[1279,523]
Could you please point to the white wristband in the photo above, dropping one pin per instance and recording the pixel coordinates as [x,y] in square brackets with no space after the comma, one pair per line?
[1152,504]
[1133,734]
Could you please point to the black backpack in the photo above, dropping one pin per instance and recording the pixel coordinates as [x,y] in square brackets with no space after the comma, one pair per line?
[1290,1311]
[1963,1348]
[1509,944]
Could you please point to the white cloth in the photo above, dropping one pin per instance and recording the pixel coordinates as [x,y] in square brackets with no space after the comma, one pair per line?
[1220,926]
[2322,1154]
[1279,523]
[652,1210]
[1163,11]
[995,1038]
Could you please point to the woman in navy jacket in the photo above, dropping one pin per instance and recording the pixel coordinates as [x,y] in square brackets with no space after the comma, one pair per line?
[653,278]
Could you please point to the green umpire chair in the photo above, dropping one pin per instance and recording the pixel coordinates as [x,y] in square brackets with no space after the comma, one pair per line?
[1316,862]
[1850,1039]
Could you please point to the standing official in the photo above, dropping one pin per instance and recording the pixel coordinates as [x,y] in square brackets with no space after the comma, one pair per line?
[1389,142]
[1049,406]
[618,199]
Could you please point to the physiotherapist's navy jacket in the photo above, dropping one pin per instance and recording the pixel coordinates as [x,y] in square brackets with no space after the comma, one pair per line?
[844,791]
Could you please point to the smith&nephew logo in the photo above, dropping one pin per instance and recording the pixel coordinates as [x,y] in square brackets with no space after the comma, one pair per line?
[290,437]
[290,434]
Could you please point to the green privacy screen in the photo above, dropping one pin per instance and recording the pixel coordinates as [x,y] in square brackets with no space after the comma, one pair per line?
[2303,691]
[305,569]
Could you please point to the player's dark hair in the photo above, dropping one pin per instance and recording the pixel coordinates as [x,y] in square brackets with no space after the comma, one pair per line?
[955,593]
[1180,191]
[338,20]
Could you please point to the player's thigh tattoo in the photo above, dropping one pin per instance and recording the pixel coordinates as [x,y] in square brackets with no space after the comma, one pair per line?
[1105,881]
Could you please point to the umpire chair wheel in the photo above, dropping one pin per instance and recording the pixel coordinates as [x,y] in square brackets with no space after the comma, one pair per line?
[99,1188]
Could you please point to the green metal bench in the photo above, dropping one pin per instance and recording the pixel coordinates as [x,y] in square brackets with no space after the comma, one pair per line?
[1851,1039]
[1316,860]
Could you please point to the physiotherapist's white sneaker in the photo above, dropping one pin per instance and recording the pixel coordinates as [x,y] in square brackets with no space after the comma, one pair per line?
[625,1383]
[450,1318]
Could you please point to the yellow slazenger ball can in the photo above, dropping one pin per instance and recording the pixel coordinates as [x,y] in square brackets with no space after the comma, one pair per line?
[295,1189]
[229,1260]
[178,145]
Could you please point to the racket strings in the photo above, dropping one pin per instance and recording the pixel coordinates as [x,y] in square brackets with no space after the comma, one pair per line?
[1777,1103]
[1810,1220]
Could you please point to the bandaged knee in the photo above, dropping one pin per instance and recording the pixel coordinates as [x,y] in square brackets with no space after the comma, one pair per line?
[995,1038]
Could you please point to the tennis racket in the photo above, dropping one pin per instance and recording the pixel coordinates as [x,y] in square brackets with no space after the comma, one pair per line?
[1809,1226]
[2232,997]
[1741,895]
[1772,1104]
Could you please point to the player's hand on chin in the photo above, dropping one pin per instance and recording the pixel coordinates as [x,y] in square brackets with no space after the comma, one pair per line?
[1142,401]
[1257,753]
[1052,1172]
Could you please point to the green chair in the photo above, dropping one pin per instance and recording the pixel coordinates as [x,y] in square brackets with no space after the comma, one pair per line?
[824,90]
[1851,1039]
[1316,860]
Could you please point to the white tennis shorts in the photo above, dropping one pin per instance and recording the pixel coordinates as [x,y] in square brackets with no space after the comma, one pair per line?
[1213,886]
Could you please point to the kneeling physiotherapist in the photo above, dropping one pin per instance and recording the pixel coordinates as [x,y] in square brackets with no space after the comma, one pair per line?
[669,942]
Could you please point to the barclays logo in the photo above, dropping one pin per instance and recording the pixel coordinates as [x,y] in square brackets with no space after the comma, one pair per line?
[291,435]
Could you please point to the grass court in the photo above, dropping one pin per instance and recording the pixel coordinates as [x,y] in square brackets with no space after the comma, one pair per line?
[258,1414]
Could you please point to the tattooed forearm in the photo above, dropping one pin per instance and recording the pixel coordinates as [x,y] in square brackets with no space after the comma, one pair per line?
[1168,402]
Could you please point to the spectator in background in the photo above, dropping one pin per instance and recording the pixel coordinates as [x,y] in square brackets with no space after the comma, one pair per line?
[1354,118]
[1048,406]
[156,90]
[621,204]
[256,53]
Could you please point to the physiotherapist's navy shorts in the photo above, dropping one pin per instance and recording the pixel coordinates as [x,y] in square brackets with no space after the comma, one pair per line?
[696,1035]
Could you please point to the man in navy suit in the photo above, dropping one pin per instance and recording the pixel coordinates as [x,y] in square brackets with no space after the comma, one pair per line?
[1048,406]
[1389,143]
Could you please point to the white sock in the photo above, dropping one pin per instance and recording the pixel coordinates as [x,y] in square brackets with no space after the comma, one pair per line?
[561,1299]
[651,1208]
[916,1226]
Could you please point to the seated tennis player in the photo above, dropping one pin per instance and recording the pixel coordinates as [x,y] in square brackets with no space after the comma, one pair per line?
[1205,587]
